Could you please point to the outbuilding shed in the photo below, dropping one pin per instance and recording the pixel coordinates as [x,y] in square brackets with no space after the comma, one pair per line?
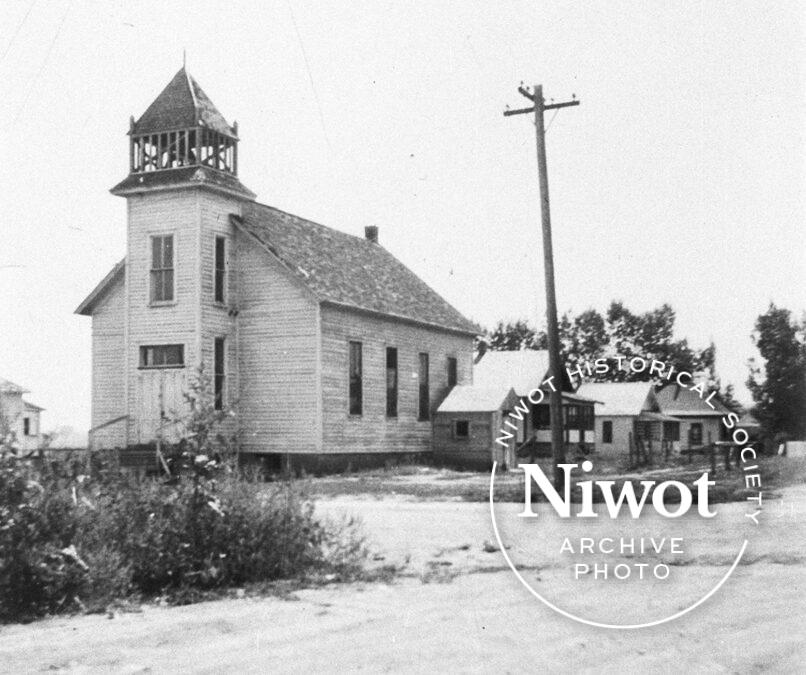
[467,424]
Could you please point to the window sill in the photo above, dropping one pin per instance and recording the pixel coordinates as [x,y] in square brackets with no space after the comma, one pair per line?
[166,367]
[162,303]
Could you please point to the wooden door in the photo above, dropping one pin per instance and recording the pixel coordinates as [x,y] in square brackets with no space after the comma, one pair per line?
[161,402]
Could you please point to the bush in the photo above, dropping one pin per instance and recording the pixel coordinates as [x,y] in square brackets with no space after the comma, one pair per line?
[38,572]
[68,541]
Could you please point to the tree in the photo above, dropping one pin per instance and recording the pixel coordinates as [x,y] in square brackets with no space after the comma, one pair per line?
[590,336]
[728,399]
[780,394]
[515,336]
[8,437]
[207,440]
[583,338]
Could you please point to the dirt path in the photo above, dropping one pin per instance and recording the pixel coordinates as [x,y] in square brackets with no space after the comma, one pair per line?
[467,616]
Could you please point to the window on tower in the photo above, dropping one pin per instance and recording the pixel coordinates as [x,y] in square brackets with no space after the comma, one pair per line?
[219,372]
[162,356]
[220,280]
[162,268]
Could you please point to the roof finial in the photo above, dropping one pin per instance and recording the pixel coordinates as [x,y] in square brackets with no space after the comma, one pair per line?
[184,58]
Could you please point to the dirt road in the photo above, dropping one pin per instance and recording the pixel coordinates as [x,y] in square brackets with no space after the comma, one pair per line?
[459,609]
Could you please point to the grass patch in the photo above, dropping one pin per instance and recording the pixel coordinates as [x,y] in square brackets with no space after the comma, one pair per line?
[447,484]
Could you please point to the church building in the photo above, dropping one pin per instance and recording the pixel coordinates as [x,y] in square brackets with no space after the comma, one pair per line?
[323,343]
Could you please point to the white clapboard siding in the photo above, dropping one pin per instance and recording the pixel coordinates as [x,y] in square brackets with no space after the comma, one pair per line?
[109,367]
[173,212]
[277,353]
[373,431]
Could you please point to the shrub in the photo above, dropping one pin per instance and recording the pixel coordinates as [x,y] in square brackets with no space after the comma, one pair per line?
[68,541]
[76,533]
[38,571]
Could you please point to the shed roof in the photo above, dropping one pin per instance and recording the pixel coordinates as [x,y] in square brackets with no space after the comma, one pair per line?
[349,271]
[30,406]
[620,398]
[473,398]
[747,421]
[9,387]
[180,105]
[649,416]
[683,402]
[522,370]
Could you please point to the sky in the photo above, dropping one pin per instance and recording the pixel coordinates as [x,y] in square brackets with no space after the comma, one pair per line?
[679,179]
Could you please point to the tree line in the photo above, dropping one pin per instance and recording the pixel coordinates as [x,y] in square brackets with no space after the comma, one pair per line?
[777,384]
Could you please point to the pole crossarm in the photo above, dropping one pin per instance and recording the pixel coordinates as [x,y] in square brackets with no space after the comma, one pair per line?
[525,92]
[549,106]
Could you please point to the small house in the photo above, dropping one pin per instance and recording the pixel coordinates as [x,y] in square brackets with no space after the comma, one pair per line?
[700,424]
[467,424]
[629,409]
[525,371]
[19,419]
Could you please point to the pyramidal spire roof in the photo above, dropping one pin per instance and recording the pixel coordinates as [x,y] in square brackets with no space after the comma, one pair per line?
[180,105]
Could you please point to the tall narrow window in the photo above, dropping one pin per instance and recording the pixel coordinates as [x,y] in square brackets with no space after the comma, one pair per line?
[220,269]
[162,268]
[451,372]
[391,382]
[695,434]
[219,372]
[26,426]
[587,417]
[355,379]
[607,431]
[671,431]
[541,417]
[424,405]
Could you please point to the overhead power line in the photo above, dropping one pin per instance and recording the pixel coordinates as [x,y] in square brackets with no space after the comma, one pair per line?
[32,86]
[16,32]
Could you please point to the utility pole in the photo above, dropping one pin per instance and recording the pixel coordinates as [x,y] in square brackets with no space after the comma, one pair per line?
[555,372]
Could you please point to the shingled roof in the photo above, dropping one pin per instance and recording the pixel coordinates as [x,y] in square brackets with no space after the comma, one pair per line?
[350,271]
[472,398]
[180,105]
[621,398]
[682,402]
[188,176]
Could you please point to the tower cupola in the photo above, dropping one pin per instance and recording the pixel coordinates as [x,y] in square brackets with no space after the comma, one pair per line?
[182,138]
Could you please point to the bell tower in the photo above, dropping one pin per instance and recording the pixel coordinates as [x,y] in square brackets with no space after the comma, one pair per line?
[180,307]
[182,140]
